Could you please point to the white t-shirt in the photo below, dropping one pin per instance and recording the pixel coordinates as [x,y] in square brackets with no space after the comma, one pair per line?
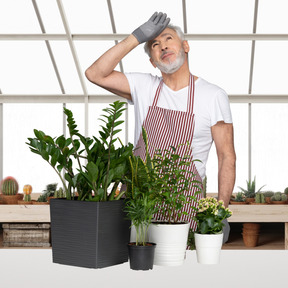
[211,104]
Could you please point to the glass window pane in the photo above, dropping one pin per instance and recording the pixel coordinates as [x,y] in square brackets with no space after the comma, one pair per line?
[221,16]
[18,16]
[221,62]
[240,123]
[19,122]
[271,67]
[50,16]
[272,16]
[26,68]
[66,67]
[269,145]
[129,14]
[88,52]
[87,16]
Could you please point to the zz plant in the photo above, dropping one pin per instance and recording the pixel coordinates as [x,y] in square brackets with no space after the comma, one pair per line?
[99,164]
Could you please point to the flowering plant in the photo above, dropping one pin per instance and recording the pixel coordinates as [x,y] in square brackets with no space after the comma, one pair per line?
[210,215]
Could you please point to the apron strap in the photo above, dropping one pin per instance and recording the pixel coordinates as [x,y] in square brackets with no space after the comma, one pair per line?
[190,98]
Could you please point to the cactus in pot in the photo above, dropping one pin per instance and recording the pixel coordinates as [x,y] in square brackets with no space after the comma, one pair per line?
[27,190]
[286,191]
[9,189]
[9,186]
[259,198]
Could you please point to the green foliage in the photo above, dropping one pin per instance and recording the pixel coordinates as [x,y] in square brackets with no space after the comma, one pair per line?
[210,215]
[259,198]
[174,182]
[283,197]
[268,193]
[105,164]
[240,197]
[250,190]
[27,197]
[286,191]
[140,202]
[42,198]
[60,193]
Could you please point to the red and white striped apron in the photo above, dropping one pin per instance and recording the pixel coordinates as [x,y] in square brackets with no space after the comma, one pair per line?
[167,128]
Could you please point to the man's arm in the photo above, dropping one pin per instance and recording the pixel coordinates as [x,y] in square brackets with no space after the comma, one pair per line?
[222,134]
[102,72]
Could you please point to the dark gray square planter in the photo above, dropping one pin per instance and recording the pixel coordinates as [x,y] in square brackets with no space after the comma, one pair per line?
[89,234]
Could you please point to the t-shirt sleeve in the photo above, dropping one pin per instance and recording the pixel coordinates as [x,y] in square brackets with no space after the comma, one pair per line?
[220,108]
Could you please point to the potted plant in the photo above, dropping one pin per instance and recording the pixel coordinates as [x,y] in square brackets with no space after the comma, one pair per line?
[88,227]
[27,190]
[173,182]
[9,190]
[209,232]
[279,198]
[250,190]
[238,199]
[268,195]
[259,199]
[140,206]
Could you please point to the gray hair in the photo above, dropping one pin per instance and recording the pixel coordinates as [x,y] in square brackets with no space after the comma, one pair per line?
[177,29]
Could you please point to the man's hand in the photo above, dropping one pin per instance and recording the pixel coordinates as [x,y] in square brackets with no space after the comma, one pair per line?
[152,28]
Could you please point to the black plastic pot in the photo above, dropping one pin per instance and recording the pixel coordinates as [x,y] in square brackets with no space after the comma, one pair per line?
[89,234]
[141,257]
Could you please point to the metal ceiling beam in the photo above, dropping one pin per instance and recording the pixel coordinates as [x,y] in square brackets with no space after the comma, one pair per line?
[105,98]
[1,137]
[250,91]
[118,37]
[112,20]
[76,61]
[184,16]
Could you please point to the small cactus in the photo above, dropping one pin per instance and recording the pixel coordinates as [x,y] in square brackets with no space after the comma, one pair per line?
[240,197]
[286,191]
[27,190]
[283,197]
[268,193]
[59,193]
[277,196]
[9,186]
[259,198]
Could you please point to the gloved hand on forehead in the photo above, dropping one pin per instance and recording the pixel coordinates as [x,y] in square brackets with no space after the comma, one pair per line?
[152,28]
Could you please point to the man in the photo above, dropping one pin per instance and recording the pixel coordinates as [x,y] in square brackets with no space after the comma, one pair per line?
[175,108]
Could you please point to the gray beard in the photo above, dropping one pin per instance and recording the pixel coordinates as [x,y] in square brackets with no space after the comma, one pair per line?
[169,68]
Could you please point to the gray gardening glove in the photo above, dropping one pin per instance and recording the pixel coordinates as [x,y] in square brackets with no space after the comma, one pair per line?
[152,28]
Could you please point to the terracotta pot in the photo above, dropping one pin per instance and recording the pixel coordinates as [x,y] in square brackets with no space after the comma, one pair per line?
[39,203]
[268,200]
[237,203]
[249,200]
[251,226]
[250,240]
[22,202]
[278,202]
[10,199]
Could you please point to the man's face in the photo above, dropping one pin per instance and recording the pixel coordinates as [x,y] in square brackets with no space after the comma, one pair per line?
[168,51]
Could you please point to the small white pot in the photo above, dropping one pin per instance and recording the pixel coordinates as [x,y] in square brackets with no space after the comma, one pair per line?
[171,240]
[208,248]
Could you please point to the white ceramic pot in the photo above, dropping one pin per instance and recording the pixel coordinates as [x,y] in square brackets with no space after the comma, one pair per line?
[208,248]
[171,240]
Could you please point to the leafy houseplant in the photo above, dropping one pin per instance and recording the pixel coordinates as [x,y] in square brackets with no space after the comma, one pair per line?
[250,190]
[140,206]
[91,232]
[104,163]
[209,235]
[174,183]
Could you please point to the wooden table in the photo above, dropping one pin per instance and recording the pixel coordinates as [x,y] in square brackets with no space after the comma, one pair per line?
[261,214]
[241,213]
